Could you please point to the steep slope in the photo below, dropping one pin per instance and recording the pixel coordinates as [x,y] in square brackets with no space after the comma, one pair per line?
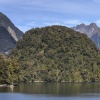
[6,41]
[7,29]
[96,39]
[57,53]
[92,30]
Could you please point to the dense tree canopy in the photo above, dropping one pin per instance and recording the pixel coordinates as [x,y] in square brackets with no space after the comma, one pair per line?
[9,69]
[57,53]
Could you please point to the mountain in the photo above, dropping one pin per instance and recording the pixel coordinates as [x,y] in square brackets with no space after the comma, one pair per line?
[96,39]
[92,31]
[6,40]
[57,53]
[9,34]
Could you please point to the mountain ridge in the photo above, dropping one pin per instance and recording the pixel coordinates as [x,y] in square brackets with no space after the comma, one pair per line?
[91,30]
[8,28]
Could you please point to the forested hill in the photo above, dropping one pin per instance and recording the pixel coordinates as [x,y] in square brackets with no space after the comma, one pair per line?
[57,53]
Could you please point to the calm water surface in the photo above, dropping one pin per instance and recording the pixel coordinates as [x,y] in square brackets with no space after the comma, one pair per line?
[52,91]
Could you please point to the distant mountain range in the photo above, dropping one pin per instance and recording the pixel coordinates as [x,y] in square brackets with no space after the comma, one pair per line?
[92,31]
[9,34]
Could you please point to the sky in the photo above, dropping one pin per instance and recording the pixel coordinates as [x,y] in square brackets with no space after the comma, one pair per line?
[27,14]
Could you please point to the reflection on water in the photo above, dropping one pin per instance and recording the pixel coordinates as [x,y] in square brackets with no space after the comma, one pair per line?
[66,89]
[50,91]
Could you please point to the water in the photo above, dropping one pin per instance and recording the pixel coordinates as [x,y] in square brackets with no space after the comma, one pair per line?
[52,91]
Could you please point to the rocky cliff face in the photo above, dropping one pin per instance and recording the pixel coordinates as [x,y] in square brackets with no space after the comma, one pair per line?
[92,30]
[9,34]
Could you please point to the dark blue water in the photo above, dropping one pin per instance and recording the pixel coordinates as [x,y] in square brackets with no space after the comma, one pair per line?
[52,91]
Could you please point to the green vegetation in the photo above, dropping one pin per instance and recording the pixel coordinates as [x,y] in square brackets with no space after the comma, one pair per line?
[53,54]
[8,70]
[57,53]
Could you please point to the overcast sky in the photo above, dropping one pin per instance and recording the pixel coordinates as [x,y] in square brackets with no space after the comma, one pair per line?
[27,14]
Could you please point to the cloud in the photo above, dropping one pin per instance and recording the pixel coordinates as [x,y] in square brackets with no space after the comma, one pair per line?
[97,22]
[67,22]
[60,6]
[36,13]
[30,24]
[54,6]
[72,22]
[12,1]
[52,23]
[24,28]
[96,1]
